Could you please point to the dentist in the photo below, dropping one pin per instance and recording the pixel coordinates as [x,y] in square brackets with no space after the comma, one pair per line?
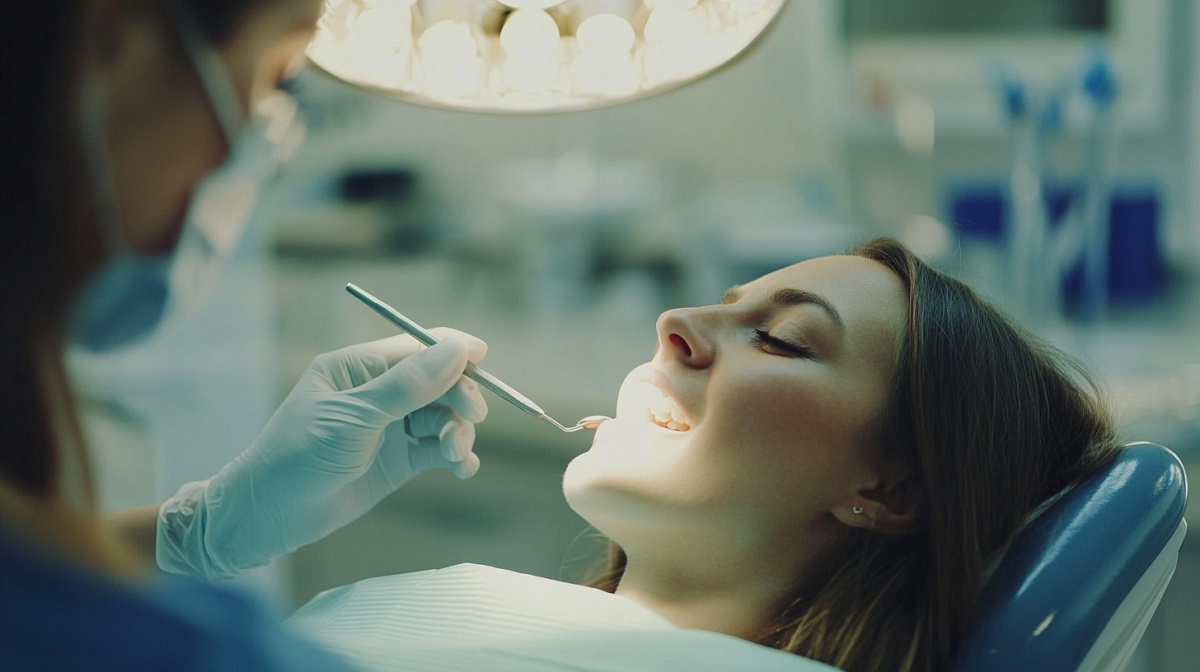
[137,135]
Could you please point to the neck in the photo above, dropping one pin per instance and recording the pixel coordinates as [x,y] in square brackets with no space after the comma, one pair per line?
[720,597]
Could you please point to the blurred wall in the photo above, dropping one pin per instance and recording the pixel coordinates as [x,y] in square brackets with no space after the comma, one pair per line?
[704,132]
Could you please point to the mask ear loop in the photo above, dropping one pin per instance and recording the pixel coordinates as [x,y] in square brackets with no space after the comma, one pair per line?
[213,74]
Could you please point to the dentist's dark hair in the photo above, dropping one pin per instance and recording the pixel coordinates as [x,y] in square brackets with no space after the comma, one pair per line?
[991,421]
[49,241]
[43,239]
[219,17]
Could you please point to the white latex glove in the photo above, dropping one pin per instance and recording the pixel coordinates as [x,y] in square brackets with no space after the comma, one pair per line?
[361,422]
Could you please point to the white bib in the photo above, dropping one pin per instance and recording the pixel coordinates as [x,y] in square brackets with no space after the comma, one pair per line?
[472,617]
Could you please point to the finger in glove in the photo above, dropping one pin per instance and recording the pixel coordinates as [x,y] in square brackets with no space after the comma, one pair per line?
[415,381]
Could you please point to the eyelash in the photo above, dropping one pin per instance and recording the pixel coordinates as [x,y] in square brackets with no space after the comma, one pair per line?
[764,340]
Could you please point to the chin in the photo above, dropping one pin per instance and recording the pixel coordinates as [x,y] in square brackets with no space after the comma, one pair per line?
[634,458]
[627,472]
[621,448]
[604,503]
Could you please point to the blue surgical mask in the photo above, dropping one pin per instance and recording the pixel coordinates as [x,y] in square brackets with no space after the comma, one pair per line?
[134,294]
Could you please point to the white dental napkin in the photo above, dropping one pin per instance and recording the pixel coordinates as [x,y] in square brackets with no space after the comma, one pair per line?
[472,617]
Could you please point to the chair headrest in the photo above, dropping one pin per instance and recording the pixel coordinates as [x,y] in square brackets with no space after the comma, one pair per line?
[1068,570]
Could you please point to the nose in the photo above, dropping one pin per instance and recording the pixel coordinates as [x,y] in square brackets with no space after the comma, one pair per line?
[684,337]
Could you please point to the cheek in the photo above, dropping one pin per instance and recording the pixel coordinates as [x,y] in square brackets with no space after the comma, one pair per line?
[787,430]
[774,410]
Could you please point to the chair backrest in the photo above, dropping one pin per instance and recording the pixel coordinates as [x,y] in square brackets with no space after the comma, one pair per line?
[1079,584]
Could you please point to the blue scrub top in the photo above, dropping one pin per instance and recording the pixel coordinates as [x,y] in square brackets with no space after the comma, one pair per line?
[58,617]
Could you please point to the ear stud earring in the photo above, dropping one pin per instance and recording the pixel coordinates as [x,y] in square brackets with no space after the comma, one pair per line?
[857,510]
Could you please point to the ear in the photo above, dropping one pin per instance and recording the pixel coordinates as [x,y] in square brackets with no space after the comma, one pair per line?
[890,508]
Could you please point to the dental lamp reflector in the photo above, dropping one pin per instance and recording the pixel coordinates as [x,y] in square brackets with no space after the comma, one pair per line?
[532,55]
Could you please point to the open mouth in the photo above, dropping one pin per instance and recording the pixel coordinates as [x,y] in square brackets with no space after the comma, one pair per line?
[665,414]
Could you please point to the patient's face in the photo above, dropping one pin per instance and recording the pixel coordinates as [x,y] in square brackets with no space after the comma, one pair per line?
[752,420]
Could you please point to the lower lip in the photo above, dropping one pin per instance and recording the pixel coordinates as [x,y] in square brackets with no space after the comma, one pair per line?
[668,430]
[609,429]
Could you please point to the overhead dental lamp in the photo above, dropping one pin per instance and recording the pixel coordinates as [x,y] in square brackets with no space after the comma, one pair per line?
[532,55]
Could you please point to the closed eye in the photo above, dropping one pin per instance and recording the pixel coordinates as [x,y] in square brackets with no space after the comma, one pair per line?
[777,346]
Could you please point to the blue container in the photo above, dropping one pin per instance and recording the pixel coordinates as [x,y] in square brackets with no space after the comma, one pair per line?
[979,211]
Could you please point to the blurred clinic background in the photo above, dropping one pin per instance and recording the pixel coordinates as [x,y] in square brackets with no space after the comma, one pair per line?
[1045,151]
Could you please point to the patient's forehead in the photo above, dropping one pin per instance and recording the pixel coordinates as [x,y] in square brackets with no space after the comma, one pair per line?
[857,282]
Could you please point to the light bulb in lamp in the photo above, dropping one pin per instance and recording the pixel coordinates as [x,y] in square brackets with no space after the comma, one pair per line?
[577,54]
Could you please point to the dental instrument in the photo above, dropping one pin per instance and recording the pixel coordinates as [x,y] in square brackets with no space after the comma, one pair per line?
[1042,254]
[473,372]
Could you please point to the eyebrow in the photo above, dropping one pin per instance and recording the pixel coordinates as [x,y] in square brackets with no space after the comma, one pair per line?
[787,296]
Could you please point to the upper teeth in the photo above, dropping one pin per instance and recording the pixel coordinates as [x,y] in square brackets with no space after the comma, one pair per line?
[662,413]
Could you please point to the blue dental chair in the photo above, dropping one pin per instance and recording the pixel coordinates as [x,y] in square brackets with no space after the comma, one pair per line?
[1077,587]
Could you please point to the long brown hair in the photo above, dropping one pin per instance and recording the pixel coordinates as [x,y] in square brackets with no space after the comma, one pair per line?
[42,249]
[992,421]
[49,244]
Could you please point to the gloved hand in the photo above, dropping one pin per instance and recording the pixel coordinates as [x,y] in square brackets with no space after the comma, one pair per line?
[360,422]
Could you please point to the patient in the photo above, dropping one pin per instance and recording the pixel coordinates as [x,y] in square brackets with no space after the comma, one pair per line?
[822,464]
